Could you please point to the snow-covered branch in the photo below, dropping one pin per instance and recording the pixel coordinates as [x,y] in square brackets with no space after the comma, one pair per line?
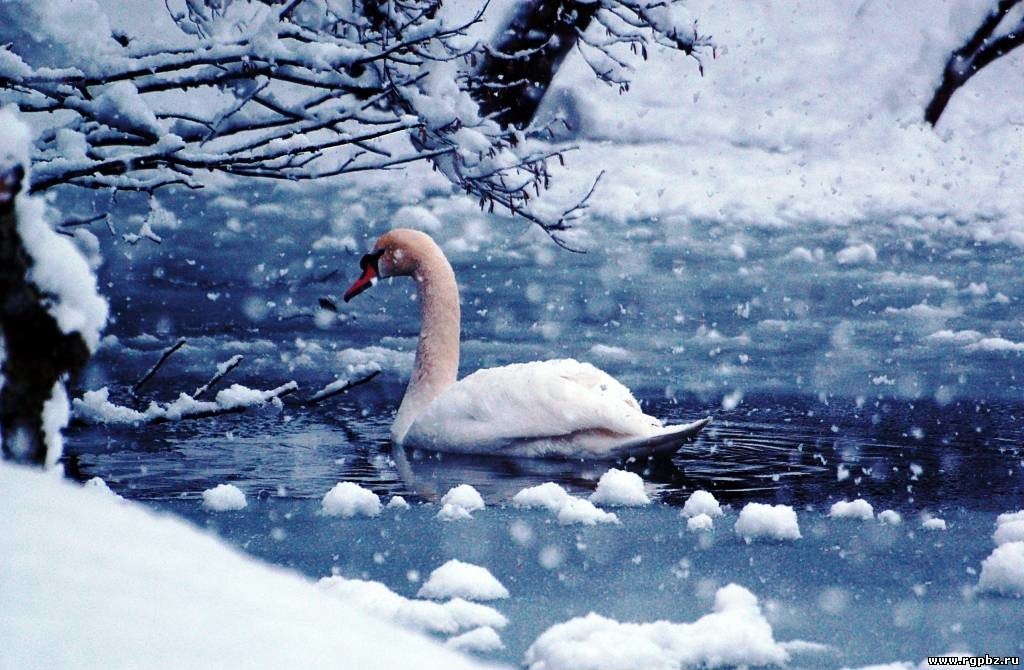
[307,89]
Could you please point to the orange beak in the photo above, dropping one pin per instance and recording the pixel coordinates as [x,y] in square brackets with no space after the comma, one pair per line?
[369,277]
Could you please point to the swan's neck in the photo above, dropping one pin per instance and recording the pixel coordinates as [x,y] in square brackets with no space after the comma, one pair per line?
[437,352]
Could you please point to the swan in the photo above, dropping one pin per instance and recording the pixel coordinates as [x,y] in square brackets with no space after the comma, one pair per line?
[555,408]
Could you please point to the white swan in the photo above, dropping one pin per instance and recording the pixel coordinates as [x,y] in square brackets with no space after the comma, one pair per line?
[546,408]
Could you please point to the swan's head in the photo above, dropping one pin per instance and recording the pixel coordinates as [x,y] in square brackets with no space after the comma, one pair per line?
[397,253]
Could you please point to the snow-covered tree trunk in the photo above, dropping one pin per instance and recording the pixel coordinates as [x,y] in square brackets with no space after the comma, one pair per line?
[517,70]
[978,51]
[50,313]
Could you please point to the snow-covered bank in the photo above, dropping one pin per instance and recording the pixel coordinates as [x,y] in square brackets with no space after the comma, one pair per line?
[812,114]
[87,581]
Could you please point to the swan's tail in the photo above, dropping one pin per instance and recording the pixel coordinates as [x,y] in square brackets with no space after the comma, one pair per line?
[664,443]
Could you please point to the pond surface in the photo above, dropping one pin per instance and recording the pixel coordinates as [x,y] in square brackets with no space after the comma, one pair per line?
[896,379]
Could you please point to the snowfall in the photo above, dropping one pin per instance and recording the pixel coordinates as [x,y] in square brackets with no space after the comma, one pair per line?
[781,244]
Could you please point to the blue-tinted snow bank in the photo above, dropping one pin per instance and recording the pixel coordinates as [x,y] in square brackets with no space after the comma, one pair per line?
[91,581]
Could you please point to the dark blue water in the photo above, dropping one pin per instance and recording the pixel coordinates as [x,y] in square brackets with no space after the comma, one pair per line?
[810,369]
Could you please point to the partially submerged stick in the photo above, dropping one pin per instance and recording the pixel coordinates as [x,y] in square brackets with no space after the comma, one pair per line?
[156,368]
[222,371]
[337,388]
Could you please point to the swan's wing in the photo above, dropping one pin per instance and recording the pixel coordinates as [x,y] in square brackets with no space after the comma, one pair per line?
[527,402]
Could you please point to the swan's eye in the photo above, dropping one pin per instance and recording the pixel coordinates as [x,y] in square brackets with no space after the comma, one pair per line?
[370,260]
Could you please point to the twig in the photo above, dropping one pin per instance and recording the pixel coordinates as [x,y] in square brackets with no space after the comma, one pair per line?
[222,371]
[280,392]
[156,368]
[324,394]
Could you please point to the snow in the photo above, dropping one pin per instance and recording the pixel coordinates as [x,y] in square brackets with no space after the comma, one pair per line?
[857,254]
[1003,571]
[96,407]
[567,509]
[548,495]
[459,503]
[397,502]
[55,419]
[700,522]
[1009,517]
[58,268]
[579,510]
[773,522]
[447,618]
[702,502]
[97,486]
[620,487]
[857,509]
[890,517]
[348,499]
[479,640]
[456,579]
[126,587]
[934,523]
[736,633]
[1009,531]
[224,498]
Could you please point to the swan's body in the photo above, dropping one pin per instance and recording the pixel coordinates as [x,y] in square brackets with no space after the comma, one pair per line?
[547,408]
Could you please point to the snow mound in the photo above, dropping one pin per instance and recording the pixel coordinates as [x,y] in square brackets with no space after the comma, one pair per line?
[735,634]
[462,580]
[1003,571]
[890,517]
[1009,531]
[397,502]
[773,522]
[699,523]
[126,587]
[446,618]
[857,509]
[459,503]
[567,509]
[934,523]
[578,510]
[224,498]
[548,495]
[97,486]
[620,487]
[702,502]
[479,640]
[1008,517]
[348,499]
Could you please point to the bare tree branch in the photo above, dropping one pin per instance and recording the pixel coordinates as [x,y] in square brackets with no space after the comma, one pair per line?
[980,49]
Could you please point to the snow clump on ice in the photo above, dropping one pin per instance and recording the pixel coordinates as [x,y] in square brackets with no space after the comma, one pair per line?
[934,523]
[567,509]
[445,618]
[701,502]
[548,495]
[1009,528]
[397,502]
[480,640]
[1003,571]
[858,509]
[459,503]
[224,498]
[620,487]
[348,499]
[890,517]
[773,522]
[700,523]
[462,580]
[735,634]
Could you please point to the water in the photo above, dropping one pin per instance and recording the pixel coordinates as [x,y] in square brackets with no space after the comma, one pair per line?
[821,390]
